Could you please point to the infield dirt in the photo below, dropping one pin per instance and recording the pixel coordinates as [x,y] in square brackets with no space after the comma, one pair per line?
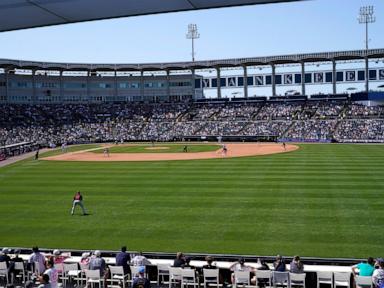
[233,150]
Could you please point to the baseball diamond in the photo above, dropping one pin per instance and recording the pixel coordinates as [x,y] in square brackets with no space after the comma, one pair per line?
[126,156]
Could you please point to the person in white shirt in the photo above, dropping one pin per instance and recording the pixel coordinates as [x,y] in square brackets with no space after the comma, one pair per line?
[239,266]
[378,274]
[37,258]
[140,260]
[52,273]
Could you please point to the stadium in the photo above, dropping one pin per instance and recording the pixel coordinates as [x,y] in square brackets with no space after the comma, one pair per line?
[232,158]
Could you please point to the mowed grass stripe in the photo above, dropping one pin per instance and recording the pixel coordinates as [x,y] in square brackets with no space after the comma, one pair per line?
[322,200]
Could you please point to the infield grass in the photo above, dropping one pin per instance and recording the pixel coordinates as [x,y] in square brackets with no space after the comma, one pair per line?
[323,200]
[160,148]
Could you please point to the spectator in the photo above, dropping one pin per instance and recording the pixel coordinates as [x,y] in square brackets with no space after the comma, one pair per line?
[187,263]
[140,260]
[58,258]
[97,263]
[85,258]
[279,264]
[209,264]
[44,280]
[364,269]
[296,265]
[37,258]
[53,274]
[122,259]
[378,274]
[16,257]
[180,260]
[239,266]
[140,281]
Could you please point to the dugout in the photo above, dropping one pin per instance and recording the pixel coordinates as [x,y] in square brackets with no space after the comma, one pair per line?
[17,149]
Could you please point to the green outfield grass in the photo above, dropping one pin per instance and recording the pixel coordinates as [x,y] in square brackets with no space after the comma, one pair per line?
[161,148]
[322,200]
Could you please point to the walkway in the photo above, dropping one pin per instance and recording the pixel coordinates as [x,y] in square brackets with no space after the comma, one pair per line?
[14,159]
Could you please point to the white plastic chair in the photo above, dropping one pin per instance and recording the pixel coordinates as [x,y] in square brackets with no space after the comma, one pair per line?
[280,278]
[363,281]
[19,271]
[342,279]
[4,271]
[297,279]
[162,272]
[117,275]
[211,277]
[266,275]
[188,278]
[324,277]
[60,270]
[94,277]
[71,272]
[242,278]
[134,271]
[83,267]
[174,275]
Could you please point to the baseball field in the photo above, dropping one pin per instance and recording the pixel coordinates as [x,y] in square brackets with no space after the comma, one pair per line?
[323,200]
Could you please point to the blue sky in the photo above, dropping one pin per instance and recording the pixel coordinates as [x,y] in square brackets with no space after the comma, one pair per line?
[285,28]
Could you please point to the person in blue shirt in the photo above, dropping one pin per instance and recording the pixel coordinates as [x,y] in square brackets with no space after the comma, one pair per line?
[122,259]
[364,269]
[279,264]
[140,281]
[97,263]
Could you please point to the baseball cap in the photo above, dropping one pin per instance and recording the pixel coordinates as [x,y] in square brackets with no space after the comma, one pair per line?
[56,252]
[85,255]
[97,253]
[142,269]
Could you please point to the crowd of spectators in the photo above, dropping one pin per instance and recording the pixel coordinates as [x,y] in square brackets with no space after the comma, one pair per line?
[238,112]
[48,269]
[51,125]
[311,130]
[328,109]
[280,111]
[221,128]
[363,111]
[266,128]
[360,130]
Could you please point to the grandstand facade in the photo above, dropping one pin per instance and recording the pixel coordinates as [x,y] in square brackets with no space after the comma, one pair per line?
[86,103]
[42,82]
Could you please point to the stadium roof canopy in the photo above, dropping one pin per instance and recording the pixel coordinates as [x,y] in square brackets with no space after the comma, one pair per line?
[21,14]
[10,64]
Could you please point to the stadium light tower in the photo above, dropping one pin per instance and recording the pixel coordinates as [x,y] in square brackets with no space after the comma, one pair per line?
[366,17]
[193,34]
